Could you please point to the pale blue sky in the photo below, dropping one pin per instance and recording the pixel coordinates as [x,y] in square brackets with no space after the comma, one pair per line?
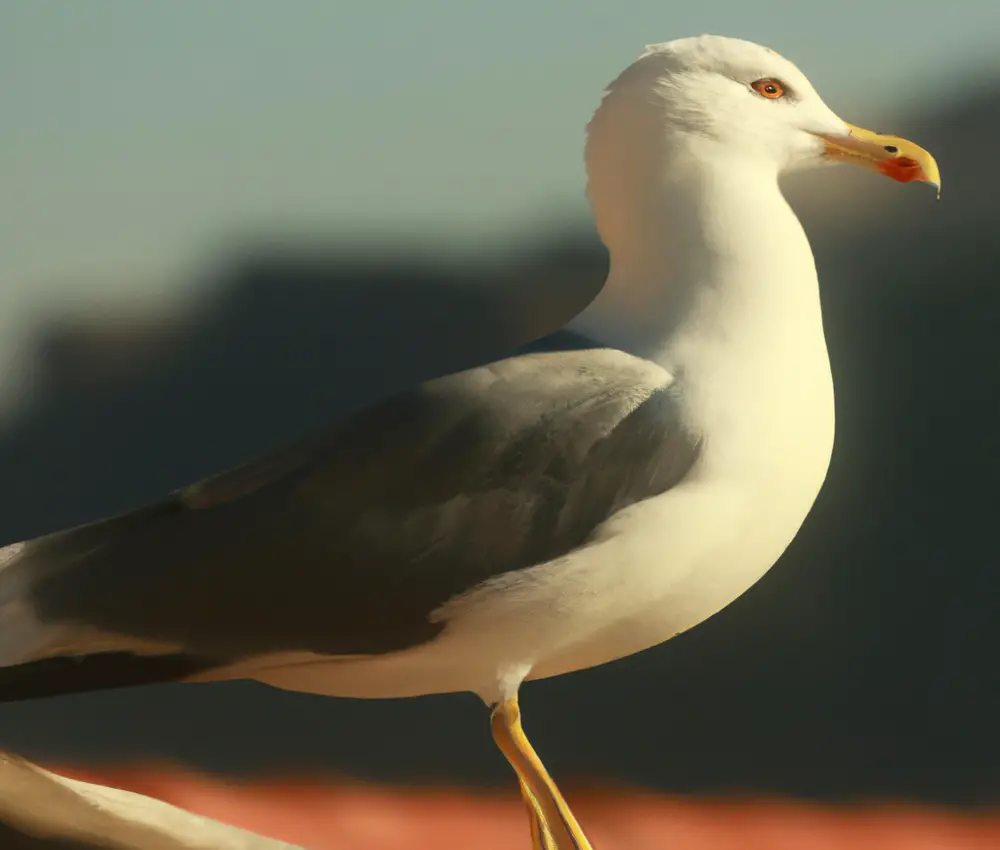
[137,135]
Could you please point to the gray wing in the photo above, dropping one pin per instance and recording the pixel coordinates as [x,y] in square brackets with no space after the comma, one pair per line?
[346,543]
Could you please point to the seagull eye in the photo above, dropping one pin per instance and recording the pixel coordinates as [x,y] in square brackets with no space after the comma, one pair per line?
[771,89]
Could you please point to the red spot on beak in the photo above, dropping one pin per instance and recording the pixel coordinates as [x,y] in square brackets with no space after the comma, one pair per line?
[903,169]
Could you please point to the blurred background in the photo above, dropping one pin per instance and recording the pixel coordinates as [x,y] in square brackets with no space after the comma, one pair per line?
[222,226]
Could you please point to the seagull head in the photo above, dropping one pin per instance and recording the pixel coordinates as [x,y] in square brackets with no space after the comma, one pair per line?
[739,99]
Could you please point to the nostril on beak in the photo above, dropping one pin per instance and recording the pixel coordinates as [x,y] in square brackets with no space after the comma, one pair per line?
[891,149]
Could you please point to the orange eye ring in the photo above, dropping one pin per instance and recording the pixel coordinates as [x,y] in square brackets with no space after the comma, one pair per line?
[771,89]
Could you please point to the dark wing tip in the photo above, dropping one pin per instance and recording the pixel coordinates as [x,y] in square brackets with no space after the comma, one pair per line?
[51,677]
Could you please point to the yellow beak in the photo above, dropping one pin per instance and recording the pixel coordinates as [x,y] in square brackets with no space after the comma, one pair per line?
[893,156]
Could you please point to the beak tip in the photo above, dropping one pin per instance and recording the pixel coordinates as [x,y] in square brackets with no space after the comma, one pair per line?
[935,185]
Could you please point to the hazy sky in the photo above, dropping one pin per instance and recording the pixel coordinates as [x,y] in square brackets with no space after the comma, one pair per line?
[136,135]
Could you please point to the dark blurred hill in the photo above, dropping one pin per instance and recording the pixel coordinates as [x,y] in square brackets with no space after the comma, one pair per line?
[865,663]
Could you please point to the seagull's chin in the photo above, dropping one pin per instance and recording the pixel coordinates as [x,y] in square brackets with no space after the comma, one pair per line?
[892,156]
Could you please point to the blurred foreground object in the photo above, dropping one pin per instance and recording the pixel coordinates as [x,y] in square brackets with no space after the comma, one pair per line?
[326,814]
[41,810]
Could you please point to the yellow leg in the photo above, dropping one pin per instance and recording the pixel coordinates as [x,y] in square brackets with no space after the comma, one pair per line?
[541,838]
[555,822]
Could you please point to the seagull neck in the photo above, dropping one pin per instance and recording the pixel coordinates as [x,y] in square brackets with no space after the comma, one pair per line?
[708,257]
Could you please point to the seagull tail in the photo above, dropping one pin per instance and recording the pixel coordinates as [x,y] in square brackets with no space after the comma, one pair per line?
[23,636]
[39,659]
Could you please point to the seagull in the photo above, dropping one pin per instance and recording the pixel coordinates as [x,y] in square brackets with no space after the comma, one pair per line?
[589,496]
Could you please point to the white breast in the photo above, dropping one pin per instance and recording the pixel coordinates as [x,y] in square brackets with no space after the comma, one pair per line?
[671,562]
